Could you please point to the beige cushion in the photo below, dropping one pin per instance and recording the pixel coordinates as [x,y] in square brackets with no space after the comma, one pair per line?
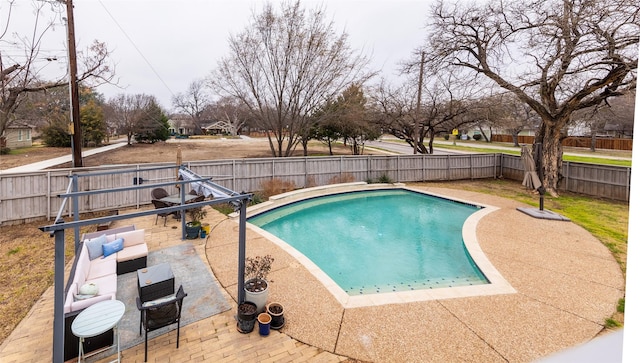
[106,284]
[81,304]
[133,252]
[132,238]
[69,300]
[102,267]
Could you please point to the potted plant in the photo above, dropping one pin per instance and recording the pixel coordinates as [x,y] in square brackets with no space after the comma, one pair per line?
[193,227]
[256,287]
[264,323]
[276,311]
[247,313]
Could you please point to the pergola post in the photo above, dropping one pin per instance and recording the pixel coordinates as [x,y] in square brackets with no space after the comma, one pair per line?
[58,299]
[76,211]
[242,244]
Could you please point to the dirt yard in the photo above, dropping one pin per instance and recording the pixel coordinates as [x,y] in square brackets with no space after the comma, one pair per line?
[192,150]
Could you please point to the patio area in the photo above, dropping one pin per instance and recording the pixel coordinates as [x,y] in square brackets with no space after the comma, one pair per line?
[567,284]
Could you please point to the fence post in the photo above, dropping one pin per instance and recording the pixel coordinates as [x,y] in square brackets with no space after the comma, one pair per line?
[76,214]
[48,196]
[233,174]
[628,186]
[138,191]
[566,179]
[306,171]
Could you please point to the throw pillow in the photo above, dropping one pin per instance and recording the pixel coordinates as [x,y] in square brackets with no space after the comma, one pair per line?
[159,301]
[87,290]
[112,247]
[78,297]
[94,246]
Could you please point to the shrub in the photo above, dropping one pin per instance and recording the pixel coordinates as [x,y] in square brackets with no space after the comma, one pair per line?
[477,137]
[224,208]
[446,136]
[196,215]
[255,272]
[4,150]
[275,186]
[384,179]
[342,178]
[311,182]
[56,136]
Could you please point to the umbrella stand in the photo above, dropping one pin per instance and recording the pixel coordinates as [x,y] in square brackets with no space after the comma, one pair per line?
[538,151]
[533,168]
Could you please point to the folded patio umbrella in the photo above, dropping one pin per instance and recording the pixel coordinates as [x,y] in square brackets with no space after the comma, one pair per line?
[531,179]
[206,188]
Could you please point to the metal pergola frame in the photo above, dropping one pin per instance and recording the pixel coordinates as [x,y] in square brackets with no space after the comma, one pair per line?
[57,230]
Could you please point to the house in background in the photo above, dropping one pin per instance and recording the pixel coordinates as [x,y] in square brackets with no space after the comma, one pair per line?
[16,136]
[217,128]
[180,125]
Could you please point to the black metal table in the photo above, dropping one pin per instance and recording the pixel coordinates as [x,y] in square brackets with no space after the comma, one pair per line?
[155,282]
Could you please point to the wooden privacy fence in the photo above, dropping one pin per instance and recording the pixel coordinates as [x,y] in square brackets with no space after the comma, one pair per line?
[574,141]
[34,195]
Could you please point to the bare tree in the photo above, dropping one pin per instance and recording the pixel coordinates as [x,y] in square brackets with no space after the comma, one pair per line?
[442,110]
[231,114]
[126,113]
[285,65]
[558,56]
[506,112]
[21,74]
[194,102]
[616,115]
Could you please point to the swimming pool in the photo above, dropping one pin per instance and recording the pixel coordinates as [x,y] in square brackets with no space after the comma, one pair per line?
[380,241]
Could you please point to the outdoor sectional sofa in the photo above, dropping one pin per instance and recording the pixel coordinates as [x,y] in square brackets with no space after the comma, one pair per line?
[91,266]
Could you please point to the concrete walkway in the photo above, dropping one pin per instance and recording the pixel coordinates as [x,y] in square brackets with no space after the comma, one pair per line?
[46,164]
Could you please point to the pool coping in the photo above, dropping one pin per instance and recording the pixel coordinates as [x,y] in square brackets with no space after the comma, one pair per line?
[497,283]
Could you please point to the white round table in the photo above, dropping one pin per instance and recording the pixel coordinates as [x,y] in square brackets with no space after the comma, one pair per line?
[97,319]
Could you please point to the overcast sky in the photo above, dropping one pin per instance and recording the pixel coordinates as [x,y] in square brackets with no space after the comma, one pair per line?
[160,46]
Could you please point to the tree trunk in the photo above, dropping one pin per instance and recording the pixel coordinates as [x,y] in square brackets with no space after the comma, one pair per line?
[431,137]
[487,139]
[551,158]
[593,140]
[514,135]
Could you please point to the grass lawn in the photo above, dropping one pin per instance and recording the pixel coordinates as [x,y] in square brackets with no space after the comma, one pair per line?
[584,157]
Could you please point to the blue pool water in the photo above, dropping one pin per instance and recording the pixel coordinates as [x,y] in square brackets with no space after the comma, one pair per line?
[379,241]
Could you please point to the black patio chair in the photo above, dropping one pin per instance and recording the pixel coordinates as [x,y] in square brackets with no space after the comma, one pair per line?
[158,204]
[156,314]
[159,193]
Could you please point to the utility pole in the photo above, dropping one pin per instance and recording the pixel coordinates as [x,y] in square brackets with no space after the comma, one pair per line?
[76,137]
[416,128]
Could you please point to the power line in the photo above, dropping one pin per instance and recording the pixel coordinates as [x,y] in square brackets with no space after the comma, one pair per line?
[136,48]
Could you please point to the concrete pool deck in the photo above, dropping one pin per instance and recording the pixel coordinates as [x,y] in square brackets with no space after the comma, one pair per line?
[566,284]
